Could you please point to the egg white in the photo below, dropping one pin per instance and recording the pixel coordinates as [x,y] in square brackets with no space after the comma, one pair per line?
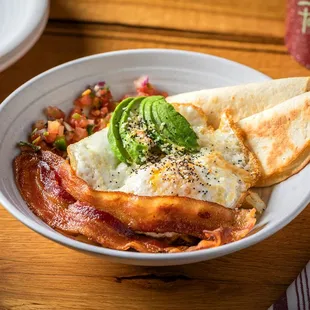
[205,176]
[94,162]
[219,168]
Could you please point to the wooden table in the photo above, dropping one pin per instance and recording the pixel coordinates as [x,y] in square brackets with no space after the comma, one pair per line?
[36,273]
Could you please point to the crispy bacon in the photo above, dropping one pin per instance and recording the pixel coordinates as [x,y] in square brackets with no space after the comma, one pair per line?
[65,202]
[157,214]
[39,186]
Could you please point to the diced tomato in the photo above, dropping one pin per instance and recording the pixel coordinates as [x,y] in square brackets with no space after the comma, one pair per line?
[105,96]
[104,92]
[51,137]
[77,118]
[104,111]
[86,100]
[77,110]
[79,134]
[83,101]
[95,112]
[111,106]
[54,113]
[101,123]
[82,122]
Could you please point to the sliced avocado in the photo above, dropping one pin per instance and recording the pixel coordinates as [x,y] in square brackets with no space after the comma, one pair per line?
[173,125]
[146,111]
[135,147]
[160,125]
[154,131]
[114,135]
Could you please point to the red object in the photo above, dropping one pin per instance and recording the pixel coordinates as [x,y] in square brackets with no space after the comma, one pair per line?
[297,38]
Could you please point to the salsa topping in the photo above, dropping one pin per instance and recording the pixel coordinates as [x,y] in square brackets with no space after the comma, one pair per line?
[91,112]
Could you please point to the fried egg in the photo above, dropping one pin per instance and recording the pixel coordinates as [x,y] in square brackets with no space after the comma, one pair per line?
[221,172]
[227,139]
[93,160]
[204,176]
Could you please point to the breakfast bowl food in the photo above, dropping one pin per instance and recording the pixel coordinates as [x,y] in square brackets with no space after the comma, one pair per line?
[150,177]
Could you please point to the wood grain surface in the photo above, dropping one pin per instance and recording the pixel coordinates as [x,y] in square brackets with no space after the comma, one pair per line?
[36,273]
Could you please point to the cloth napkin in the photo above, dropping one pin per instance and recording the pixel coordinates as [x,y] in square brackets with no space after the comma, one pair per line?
[297,296]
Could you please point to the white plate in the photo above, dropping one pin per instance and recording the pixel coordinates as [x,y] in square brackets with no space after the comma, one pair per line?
[21,24]
[170,70]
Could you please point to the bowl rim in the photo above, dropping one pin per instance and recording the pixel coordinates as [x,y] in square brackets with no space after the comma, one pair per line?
[27,37]
[183,257]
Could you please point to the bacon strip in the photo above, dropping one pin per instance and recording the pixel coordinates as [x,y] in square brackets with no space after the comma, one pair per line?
[158,214]
[40,179]
[39,186]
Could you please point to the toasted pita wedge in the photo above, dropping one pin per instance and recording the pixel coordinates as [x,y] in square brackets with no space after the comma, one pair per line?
[280,138]
[243,100]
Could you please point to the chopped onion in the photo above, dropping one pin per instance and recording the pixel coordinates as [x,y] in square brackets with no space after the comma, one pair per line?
[68,127]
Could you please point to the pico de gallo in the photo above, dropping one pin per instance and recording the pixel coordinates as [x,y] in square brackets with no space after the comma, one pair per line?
[91,112]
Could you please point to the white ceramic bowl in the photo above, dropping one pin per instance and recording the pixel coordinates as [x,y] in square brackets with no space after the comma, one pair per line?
[21,24]
[170,70]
